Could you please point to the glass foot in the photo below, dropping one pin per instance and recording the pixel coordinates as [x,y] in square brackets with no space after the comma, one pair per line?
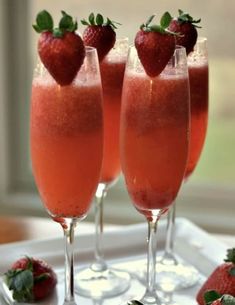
[101,284]
[171,277]
[70,303]
[151,299]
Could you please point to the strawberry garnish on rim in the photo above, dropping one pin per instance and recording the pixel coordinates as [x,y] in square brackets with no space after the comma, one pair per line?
[187,26]
[30,279]
[222,278]
[61,50]
[99,34]
[155,44]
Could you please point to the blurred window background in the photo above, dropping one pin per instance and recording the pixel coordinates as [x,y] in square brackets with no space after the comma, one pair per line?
[208,198]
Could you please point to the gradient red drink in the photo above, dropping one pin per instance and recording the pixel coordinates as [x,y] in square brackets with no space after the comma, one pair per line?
[198,77]
[154,137]
[112,72]
[66,143]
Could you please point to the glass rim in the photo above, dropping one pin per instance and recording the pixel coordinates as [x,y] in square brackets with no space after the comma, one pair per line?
[201,39]
[177,46]
[89,49]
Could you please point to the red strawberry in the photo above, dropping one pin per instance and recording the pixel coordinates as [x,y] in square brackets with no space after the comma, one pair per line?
[30,279]
[184,24]
[99,34]
[61,50]
[222,278]
[212,297]
[155,45]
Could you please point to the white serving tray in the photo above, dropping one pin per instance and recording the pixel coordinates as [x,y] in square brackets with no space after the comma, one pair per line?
[126,249]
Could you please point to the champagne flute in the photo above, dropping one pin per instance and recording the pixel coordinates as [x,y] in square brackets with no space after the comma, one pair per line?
[154,143]
[66,133]
[100,280]
[174,274]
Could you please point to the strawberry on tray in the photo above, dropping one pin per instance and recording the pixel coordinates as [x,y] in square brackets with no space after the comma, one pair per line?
[30,280]
[99,34]
[221,280]
[61,49]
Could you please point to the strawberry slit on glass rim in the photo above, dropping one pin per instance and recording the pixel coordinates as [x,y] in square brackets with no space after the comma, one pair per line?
[155,44]
[61,49]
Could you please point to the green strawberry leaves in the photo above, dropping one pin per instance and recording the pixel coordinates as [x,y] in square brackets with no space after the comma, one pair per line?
[165,20]
[185,17]
[67,24]
[232,271]
[21,283]
[98,20]
[211,295]
[230,256]
[91,18]
[160,28]
[44,23]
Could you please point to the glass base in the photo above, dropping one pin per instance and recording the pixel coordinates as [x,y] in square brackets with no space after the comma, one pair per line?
[69,303]
[171,277]
[151,300]
[173,299]
[101,284]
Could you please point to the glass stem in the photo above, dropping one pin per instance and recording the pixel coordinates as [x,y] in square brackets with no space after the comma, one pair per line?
[69,260]
[168,256]
[99,264]
[150,296]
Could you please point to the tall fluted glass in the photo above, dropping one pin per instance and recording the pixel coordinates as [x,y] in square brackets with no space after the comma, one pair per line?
[154,144]
[101,280]
[66,135]
[174,273]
